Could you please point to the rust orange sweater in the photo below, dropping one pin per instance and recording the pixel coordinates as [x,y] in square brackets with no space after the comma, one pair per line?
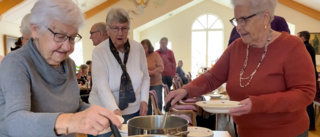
[155,67]
[280,90]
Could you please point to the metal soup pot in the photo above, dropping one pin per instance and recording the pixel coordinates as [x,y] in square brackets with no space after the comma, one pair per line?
[143,125]
[152,136]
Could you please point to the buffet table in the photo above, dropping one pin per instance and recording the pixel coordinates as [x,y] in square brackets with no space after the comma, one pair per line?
[215,134]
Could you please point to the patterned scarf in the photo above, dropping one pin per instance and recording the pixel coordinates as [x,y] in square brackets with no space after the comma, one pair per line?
[126,94]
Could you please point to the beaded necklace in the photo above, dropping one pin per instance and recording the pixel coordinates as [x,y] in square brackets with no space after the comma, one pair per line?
[245,63]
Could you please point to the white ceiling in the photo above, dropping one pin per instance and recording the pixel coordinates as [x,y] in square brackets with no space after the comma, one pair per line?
[314,4]
[16,14]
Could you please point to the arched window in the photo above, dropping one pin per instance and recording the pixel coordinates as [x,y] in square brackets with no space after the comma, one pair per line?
[207,42]
[77,54]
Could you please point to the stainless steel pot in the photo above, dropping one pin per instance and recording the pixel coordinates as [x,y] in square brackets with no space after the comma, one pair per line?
[143,125]
[152,136]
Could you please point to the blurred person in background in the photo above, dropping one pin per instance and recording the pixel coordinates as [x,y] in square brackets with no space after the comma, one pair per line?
[89,63]
[169,62]
[305,37]
[155,68]
[181,73]
[82,75]
[98,33]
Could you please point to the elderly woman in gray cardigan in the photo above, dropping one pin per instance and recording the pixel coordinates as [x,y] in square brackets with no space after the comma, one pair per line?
[39,95]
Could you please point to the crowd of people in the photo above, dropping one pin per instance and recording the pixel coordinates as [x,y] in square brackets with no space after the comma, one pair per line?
[270,72]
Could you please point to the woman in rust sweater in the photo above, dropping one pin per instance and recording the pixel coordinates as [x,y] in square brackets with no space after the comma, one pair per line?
[269,72]
[155,67]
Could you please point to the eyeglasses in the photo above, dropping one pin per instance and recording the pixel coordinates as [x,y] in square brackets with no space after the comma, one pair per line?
[58,37]
[116,29]
[94,32]
[242,20]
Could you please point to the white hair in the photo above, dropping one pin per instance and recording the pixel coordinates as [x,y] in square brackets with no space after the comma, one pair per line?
[119,15]
[25,25]
[44,12]
[258,5]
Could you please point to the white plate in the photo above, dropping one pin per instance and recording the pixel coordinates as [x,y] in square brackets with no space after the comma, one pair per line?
[215,95]
[109,130]
[219,106]
[199,132]
[222,111]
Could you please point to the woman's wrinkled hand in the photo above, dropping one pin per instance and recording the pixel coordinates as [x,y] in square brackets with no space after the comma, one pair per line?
[92,120]
[88,78]
[245,109]
[117,112]
[143,108]
[177,95]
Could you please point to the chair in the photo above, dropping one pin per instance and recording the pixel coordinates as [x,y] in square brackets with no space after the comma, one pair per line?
[177,82]
[189,101]
[190,74]
[165,89]
[154,102]
[156,110]
[189,78]
[178,108]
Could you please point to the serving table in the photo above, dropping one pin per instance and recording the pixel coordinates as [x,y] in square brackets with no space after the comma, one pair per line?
[215,134]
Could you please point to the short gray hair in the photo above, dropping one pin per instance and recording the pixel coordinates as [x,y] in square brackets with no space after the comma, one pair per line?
[84,66]
[164,38]
[119,15]
[258,5]
[25,25]
[44,12]
[101,26]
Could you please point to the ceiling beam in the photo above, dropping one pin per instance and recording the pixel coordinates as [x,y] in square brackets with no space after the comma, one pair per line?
[8,4]
[301,8]
[99,8]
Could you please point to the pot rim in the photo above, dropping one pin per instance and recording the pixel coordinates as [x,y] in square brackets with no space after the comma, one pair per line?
[186,124]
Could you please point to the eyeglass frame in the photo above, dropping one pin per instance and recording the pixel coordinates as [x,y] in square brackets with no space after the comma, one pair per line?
[116,29]
[234,20]
[65,37]
[94,32]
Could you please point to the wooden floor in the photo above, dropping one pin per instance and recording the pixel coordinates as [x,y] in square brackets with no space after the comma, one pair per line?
[317,132]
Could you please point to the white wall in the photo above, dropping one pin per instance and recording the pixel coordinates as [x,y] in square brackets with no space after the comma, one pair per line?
[301,21]
[8,29]
[178,29]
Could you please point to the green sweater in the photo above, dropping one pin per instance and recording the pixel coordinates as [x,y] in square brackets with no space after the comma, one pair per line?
[33,94]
